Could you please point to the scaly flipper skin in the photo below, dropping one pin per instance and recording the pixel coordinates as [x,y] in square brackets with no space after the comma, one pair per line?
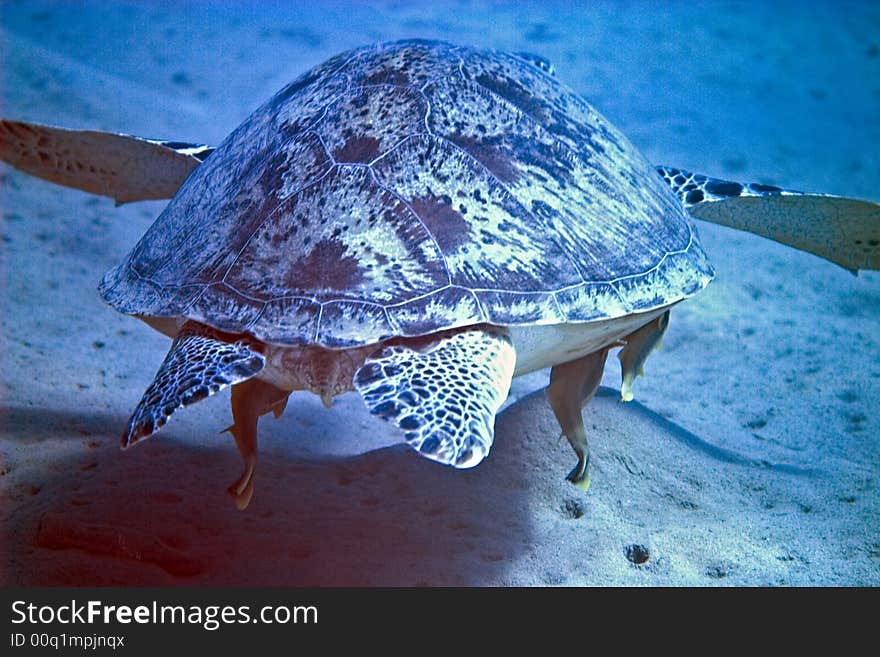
[639,345]
[444,396]
[572,385]
[251,400]
[201,362]
[123,167]
[843,230]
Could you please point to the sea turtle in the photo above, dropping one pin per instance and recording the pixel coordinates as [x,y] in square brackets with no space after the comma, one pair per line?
[420,222]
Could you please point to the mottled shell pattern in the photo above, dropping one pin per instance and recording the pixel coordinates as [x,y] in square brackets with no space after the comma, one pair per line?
[412,187]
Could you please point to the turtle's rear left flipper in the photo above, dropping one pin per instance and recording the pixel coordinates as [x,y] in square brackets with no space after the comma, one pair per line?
[122,167]
[843,230]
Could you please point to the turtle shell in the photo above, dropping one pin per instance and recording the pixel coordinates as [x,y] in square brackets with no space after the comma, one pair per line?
[412,187]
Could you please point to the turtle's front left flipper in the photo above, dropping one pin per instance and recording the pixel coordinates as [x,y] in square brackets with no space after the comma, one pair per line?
[443,394]
[200,362]
[123,167]
[843,230]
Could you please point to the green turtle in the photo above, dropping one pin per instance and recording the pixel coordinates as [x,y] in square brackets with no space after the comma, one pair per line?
[419,222]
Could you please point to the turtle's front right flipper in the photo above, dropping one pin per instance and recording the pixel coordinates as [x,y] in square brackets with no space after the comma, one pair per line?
[443,394]
[123,167]
[843,230]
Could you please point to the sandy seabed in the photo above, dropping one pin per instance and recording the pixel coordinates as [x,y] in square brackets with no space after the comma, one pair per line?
[751,458]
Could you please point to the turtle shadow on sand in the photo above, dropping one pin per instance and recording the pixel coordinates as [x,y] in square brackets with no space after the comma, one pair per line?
[159,515]
[665,507]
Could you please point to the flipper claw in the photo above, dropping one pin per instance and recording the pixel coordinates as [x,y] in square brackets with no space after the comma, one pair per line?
[243,488]
[580,473]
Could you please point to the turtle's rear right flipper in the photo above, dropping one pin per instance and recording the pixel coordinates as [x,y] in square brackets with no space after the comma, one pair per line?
[122,167]
[843,230]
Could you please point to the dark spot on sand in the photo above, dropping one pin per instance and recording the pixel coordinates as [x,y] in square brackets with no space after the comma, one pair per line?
[855,418]
[181,78]
[637,554]
[757,423]
[554,578]
[573,509]
[848,396]
[717,571]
